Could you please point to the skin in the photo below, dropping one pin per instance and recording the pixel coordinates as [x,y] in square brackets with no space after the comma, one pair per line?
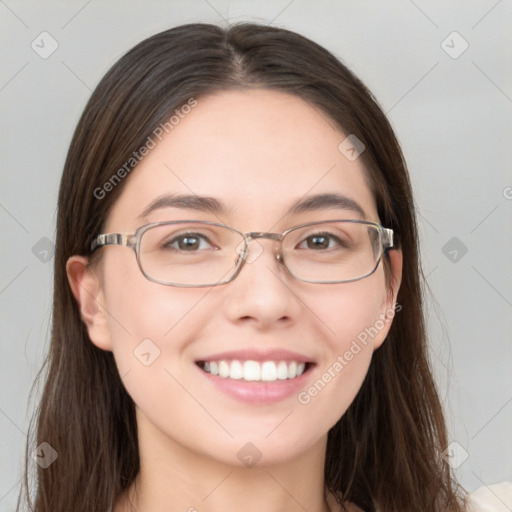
[247,149]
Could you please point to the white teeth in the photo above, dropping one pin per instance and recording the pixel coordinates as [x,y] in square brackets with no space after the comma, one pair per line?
[214,368]
[268,371]
[282,370]
[252,370]
[224,369]
[292,370]
[236,370]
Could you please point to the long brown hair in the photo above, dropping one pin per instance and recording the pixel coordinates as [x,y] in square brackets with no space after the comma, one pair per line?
[384,453]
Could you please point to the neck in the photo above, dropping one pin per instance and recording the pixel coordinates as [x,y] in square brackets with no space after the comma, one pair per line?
[174,478]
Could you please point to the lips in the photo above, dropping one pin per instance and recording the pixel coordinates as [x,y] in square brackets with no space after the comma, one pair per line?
[250,377]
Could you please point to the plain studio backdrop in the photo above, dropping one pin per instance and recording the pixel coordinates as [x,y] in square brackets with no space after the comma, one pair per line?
[441,71]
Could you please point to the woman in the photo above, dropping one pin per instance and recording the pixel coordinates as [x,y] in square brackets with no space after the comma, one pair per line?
[237,305]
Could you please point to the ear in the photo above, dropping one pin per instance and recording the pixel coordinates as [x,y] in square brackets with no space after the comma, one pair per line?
[389,304]
[86,286]
[396,264]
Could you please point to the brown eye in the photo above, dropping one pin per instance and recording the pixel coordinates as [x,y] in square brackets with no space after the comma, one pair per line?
[317,242]
[322,241]
[189,242]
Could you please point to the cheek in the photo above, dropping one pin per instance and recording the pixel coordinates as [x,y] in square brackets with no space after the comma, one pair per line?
[152,327]
[145,317]
[353,325]
[353,309]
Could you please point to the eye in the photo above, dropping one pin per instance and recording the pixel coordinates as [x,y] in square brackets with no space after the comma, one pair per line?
[322,241]
[189,242]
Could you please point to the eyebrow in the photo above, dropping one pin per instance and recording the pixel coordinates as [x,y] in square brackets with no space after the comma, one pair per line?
[185,201]
[326,202]
[197,203]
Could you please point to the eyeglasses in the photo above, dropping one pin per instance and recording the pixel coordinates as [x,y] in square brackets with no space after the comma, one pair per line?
[188,253]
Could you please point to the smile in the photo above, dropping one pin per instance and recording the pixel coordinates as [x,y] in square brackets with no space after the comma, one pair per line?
[253,371]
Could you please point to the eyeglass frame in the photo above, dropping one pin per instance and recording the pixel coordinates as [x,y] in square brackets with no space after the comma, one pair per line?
[132,241]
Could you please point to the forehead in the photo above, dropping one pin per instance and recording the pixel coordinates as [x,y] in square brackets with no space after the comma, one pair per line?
[256,151]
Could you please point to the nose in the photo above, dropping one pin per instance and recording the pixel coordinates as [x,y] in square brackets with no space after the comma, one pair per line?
[262,293]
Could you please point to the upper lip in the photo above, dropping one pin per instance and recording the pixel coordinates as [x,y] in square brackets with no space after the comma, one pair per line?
[275,354]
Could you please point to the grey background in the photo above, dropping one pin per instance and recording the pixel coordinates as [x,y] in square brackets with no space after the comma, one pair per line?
[452,116]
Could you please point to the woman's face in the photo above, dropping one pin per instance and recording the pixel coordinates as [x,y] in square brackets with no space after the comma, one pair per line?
[256,153]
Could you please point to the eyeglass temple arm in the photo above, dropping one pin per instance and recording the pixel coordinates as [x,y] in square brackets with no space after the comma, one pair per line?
[111,239]
[387,238]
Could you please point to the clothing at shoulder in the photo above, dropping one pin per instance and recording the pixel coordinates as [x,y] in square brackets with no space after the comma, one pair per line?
[494,498]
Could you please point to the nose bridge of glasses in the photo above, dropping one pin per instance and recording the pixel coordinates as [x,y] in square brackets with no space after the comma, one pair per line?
[261,234]
[252,249]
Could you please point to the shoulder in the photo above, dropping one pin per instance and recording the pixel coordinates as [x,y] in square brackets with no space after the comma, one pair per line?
[493,498]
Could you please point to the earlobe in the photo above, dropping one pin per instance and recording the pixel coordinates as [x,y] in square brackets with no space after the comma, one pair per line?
[87,290]
[389,303]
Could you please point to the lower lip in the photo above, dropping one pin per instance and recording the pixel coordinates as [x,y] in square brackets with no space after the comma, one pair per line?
[259,392]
